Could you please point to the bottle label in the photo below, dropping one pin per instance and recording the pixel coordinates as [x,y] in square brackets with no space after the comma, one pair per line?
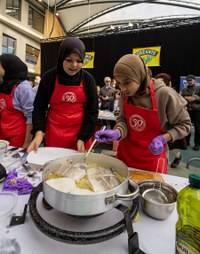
[184,248]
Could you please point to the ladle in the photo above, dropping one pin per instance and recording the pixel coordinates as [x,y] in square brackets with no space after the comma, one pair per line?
[83,164]
[154,194]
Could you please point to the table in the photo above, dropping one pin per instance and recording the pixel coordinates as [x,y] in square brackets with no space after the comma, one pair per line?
[106,115]
[155,237]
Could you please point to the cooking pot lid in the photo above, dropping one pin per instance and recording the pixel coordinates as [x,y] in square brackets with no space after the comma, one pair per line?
[45,154]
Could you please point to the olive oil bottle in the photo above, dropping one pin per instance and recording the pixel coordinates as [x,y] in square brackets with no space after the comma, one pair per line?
[188,224]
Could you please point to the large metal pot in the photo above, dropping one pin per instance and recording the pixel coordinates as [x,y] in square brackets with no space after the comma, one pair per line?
[86,205]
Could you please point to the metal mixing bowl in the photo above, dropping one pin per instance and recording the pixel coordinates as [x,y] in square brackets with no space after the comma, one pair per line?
[160,211]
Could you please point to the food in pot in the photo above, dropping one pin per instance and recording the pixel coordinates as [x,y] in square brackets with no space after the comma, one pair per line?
[75,173]
[102,179]
[62,184]
[83,182]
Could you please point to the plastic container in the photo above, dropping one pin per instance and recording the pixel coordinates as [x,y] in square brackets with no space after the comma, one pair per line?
[3,147]
[8,201]
[188,224]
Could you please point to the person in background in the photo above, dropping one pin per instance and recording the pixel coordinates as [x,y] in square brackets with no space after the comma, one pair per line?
[36,83]
[114,105]
[16,102]
[66,105]
[151,114]
[113,83]
[99,100]
[106,94]
[179,143]
[191,94]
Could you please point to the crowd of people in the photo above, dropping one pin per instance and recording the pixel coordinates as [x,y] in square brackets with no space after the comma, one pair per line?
[61,108]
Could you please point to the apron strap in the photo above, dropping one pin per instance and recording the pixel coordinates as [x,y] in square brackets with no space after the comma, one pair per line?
[153,95]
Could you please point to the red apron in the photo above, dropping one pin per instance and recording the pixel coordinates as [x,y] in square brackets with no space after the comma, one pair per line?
[13,121]
[65,116]
[143,125]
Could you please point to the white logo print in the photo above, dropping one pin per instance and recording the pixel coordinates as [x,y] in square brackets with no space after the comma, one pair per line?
[2,103]
[137,122]
[69,97]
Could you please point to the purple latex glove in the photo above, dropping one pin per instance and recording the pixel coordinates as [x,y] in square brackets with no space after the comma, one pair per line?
[157,145]
[106,136]
[17,185]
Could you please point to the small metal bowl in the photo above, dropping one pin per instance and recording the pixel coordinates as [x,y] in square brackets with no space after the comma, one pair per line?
[156,210]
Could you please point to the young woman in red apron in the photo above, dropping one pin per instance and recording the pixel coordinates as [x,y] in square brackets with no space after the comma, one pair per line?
[151,114]
[13,122]
[16,102]
[66,105]
[143,125]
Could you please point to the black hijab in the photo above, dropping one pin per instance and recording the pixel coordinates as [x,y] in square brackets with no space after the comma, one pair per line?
[15,72]
[68,46]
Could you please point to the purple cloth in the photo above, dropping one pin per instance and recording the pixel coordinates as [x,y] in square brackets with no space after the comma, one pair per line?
[106,136]
[17,185]
[157,145]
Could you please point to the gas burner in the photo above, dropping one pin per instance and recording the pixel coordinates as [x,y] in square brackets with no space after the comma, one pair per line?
[47,206]
[89,237]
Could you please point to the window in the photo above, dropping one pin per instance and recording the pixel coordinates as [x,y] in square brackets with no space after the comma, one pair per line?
[13,8]
[35,19]
[8,45]
[32,54]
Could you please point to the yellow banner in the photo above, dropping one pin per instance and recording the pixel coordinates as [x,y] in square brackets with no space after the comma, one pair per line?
[150,55]
[89,60]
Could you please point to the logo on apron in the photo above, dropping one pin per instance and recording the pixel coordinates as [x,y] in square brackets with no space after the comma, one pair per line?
[137,122]
[69,97]
[2,103]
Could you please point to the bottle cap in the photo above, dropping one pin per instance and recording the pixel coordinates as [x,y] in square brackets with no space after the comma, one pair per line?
[194,180]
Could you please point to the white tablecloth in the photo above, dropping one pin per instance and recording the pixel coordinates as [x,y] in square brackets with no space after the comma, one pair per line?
[155,237]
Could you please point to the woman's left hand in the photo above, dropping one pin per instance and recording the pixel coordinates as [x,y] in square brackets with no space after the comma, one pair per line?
[81,146]
[157,145]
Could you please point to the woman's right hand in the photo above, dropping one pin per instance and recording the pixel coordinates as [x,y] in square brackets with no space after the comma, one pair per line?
[36,142]
[107,135]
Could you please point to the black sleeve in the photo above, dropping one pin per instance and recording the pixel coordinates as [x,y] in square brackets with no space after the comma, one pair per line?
[44,93]
[91,108]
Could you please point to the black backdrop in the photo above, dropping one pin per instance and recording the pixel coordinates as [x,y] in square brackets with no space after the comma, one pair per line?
[180,51]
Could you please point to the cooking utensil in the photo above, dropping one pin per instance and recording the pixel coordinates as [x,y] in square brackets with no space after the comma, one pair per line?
[87,205]
[8,151]
[154,209]
[83,164]
[155,194]
[30,172]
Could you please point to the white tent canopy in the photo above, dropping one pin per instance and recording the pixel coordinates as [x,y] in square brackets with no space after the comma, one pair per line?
[93,18]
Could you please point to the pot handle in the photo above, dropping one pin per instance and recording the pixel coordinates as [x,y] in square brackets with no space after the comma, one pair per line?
[126,197]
